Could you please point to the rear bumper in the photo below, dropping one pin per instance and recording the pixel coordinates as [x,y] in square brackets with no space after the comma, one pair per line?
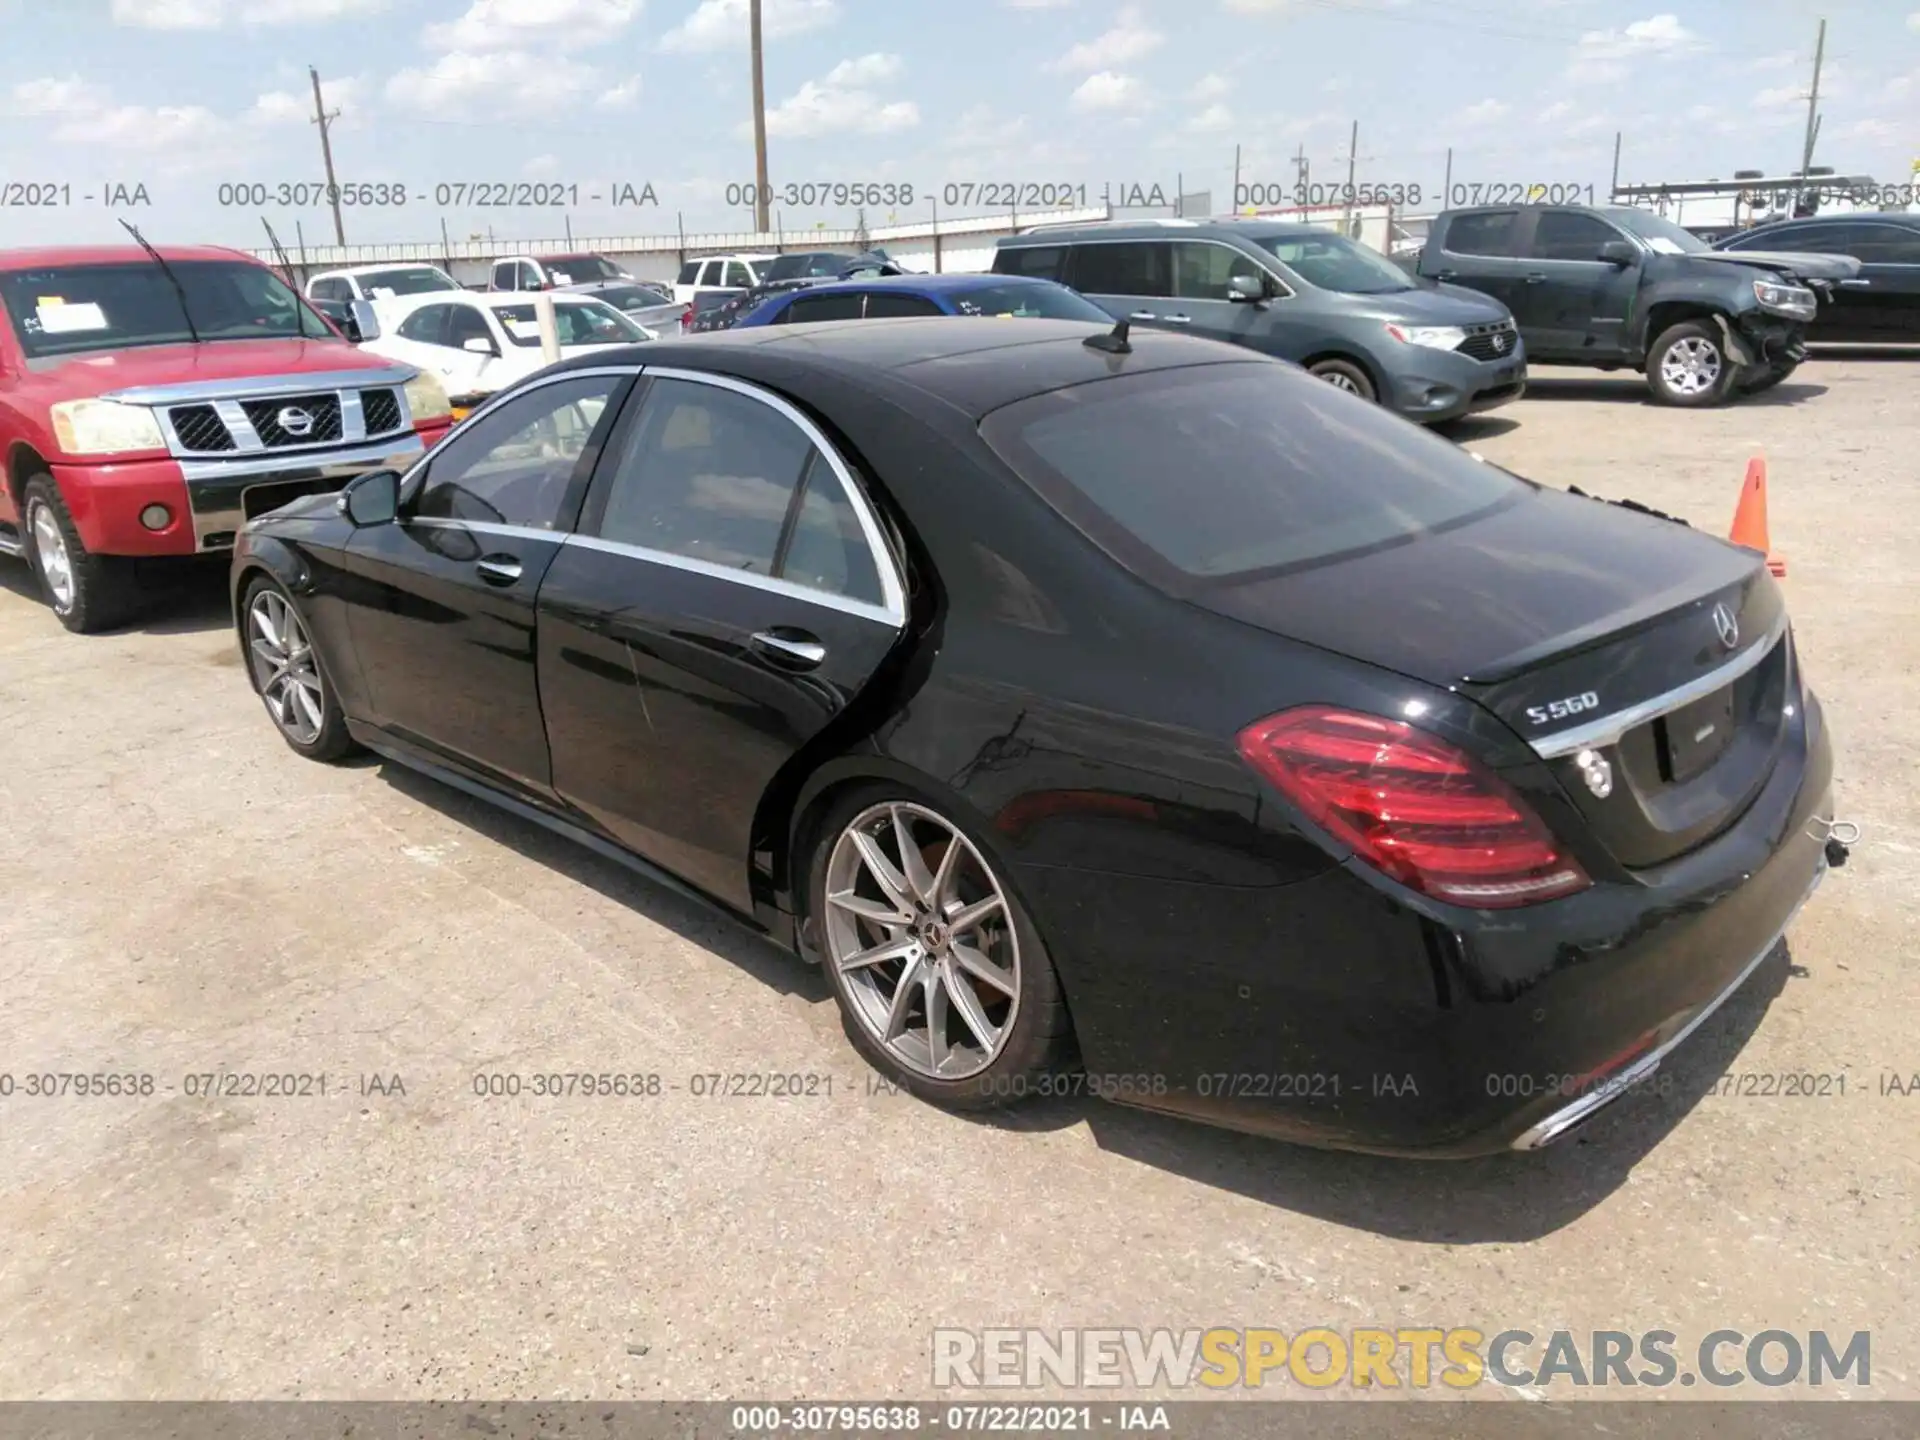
[208,500]
[1325,1011]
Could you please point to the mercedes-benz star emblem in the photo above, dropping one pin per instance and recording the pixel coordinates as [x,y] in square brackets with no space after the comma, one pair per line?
[294,420]
[1726,625]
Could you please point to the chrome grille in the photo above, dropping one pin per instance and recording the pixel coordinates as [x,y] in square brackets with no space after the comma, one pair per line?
[201,428]
[1495,341]
[295,420]
[382,409]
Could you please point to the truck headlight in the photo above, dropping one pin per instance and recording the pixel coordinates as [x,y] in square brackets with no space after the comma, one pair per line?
[427,399]
[1433,337]
[105,427]
[1792,300]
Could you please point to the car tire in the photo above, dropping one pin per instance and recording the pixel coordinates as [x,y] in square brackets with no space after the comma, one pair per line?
[1344,375]
[1759,378]
[87,593]
[1021,1004]
[287,674]
[1689,366]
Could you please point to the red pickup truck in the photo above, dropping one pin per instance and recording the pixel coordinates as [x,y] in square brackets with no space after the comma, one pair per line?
[152,402]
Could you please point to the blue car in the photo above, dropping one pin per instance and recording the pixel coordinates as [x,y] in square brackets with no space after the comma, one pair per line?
[891,296]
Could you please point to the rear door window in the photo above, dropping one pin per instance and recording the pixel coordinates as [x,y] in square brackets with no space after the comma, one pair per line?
[689,273]
[1489,232]
[1040,261]
[1123,267]
[841,305]
[737,276]
[1205,271]
[886,305]
[1211,473]
[1569,235]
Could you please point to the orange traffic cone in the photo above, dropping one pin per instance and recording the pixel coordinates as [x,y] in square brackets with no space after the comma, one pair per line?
[1750,516]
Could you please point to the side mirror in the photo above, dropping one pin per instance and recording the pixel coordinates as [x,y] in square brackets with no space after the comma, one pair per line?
[364,322]
[480,345]
[1247,289]
[372,498]
[1620,253]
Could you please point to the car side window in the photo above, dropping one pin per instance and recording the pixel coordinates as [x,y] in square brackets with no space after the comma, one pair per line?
[1569,235]
[427,325]
[504,274]
[841,305]
[710,474]
[689,273]
[1204,271]
[1488,232]
[514,465]
[709,273]
[1889,245]
[1040,261]
[738,277]
[886,305]
[466,323]
[1125,267]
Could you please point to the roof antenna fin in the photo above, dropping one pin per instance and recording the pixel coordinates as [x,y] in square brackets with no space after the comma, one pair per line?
[1114,342]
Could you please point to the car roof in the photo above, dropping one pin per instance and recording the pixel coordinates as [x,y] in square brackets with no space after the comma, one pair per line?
[1252,228]
[942,284]
[975,364]
[1905,219]
[379,269]
[48,256]
[480,299]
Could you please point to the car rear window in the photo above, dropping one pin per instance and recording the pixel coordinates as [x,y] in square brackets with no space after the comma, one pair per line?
[1027,302]
[1215,472]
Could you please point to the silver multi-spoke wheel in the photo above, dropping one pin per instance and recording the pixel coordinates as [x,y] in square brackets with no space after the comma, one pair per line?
[284,667]
[920,933]
[1691,366]
[50,553]
[1340,380]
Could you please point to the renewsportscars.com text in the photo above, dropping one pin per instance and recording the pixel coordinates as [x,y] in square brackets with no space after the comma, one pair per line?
[1400,1357]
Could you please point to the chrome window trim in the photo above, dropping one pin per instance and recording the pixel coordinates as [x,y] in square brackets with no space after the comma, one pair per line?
[484,527]
[772,584]
[1265,265]
[893,593]
[1607,730]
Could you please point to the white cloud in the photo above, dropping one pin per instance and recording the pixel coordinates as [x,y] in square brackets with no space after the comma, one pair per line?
[1109,90]
[621,96]
[1913,22]
[1211,121]
[493,83]
[69,96]
[541,166]
[84,114]
[291,107]
[1485,112]
[507,24]
[1129,39]
[1559,110]
[1255,7]
[1210,87]
[214,14]
[722,24]
[842,102]
[1778,96]
[1036,4]
[1784,60]
[1605,54]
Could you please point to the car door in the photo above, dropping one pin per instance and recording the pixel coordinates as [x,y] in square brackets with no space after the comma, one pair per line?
[442,599]
[464,371]
[1127,278]
[1572,303]
[1481,249]
[1889,258]
[420,338]
[1203,273]
[729,591]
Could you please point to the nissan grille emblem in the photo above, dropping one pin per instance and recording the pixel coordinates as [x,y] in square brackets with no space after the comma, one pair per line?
[1499,342]
[1726,625]
[294,420]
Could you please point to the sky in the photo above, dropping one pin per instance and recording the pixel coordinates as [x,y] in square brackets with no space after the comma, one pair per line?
[147,108]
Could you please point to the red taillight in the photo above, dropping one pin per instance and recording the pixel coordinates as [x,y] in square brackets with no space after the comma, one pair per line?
[1412,806]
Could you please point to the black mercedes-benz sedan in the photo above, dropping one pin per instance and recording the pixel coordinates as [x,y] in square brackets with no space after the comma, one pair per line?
[1136,710]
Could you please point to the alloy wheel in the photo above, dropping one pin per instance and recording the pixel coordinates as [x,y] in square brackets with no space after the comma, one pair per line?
[1341,381]
[919,930]
[50,553]
[1691,366]
[284,667]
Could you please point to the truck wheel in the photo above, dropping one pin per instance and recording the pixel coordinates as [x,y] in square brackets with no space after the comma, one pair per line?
[1689,365]
[88,593]
[1765,377]
[1344,375]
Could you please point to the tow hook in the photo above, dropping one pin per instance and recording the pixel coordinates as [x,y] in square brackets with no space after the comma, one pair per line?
[1840,836]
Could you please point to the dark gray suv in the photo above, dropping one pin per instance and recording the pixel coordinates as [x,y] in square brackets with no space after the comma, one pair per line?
[1348,314]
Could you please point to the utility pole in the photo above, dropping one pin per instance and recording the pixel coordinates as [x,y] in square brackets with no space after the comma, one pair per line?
[760,189]
[1615,190]
[324,120]
[1813,103]
[1300,172]
[1234,209]
[1353,158]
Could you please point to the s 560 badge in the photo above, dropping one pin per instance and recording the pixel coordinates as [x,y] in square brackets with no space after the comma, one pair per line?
[1561,709]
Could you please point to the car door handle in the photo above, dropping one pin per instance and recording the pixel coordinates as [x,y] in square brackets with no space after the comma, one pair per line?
[1856,284]
[498,569]
[1446,274]
[1534,277]
[1143,315]
[1178,319]
[791,647]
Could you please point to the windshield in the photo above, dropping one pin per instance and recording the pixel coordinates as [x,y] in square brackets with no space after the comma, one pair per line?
[580,322]
[414,280]
[1032,301]
[578,269]
[1659,232]
[1333,262]
[1213,471]
[65,309]
[812,265]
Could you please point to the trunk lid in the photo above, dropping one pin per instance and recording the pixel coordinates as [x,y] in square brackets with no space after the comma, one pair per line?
[1584,626]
